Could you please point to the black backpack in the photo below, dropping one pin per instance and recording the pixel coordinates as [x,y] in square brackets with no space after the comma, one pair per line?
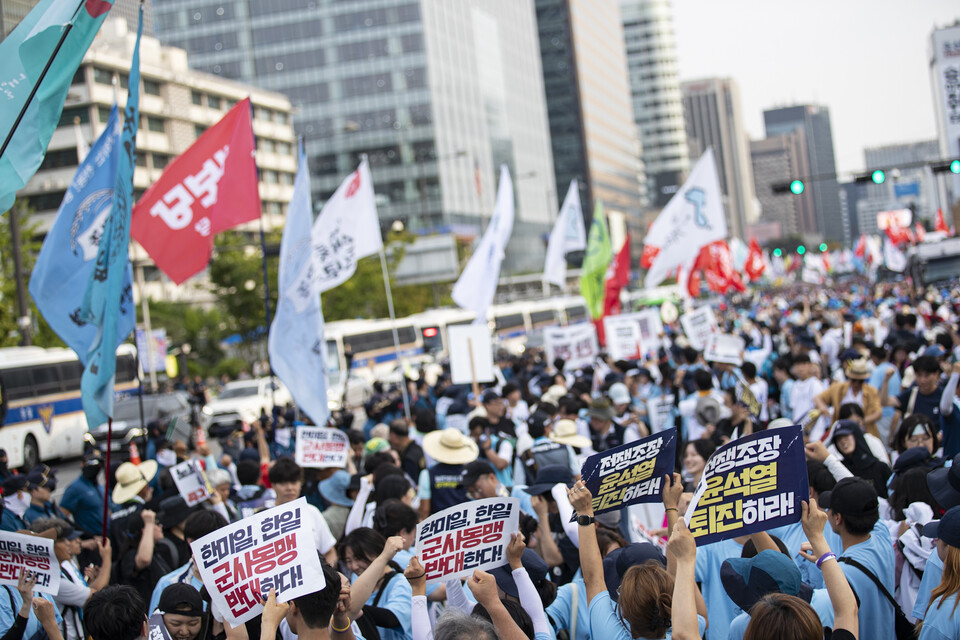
[904,629]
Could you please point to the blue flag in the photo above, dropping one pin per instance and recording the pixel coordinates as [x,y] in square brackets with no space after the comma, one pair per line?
[104,294]
[25,53]
[67,257]
[297,348]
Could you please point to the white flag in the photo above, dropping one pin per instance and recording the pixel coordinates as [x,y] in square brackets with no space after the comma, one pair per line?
[692,219]
[893,257]
[82,147]
[296,345]
[568,235]
[346,230]
[478,282]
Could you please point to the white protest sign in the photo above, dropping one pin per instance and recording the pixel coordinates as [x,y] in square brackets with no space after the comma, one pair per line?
[724,348]
[650,329]
[660,412]
[576,345]
[623,337]
[191,481]
[321,447]
[272,549]
[698,325]
[465,340]
[474,535]
[158,630]
[19,551]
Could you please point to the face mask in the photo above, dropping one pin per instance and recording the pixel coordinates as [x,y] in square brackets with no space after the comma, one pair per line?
[167,457]
[91,472]
[18,502]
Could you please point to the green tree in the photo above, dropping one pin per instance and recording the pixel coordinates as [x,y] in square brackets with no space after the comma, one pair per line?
[236,276]
[41,333]
[202,328]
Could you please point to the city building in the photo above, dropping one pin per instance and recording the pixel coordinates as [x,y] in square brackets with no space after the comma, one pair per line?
[176,105]
[592,130]
[714,119]
[13,11]
[909,183]
[777,161]
[436,94]
[945,80]
[657,101]
[814,123]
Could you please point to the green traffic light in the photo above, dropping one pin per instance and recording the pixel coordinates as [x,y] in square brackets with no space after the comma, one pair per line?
[777,252]
[796,187]
[823,247]
[878,177]
[955,166]
[801,249]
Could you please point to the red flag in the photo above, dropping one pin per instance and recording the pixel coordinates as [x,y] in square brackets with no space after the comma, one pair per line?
[209,188]
[618,275]
[754,265]
[898,235]
[649,253]
[716,262]
[920,231]
[860,249]
[941,223]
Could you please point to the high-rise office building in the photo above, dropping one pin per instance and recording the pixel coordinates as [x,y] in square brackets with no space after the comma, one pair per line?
[814,122]
[714,119]
[776,161]
[13,11]
[437,94]
[657,101]
[945,80]
[588,100]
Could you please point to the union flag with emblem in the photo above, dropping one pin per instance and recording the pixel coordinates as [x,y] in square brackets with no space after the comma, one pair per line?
[209,188]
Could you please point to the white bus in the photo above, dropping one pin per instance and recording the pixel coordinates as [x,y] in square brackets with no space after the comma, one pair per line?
[42,416]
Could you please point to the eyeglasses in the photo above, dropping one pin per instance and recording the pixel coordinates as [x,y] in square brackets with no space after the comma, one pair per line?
[919,438]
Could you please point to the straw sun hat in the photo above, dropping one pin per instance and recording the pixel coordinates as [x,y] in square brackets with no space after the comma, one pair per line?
[450,446]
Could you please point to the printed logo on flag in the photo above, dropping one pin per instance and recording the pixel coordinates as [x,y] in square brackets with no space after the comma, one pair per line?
[456,541]
[751,484]
[631,473]
[191,482]
[272,549]
[321,447]
[19,552]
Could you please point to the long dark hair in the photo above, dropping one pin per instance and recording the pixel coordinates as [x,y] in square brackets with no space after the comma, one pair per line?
[364,543]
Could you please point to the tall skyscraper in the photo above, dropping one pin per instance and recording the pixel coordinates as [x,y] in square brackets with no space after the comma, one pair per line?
[778,160]
[945,80]
[714,119]
[588,100]
[437,94]
[814,122]
[657,101]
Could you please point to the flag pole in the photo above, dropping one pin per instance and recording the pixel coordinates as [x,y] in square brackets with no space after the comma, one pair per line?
[393,327]
[266,303]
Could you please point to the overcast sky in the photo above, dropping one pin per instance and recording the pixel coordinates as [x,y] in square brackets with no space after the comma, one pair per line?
[865,60]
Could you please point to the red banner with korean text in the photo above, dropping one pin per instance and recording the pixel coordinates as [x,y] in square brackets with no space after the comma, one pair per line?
[209,188]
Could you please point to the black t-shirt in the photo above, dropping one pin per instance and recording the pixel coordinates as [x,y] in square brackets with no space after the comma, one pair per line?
[842,634]
[412,461]
[146,579]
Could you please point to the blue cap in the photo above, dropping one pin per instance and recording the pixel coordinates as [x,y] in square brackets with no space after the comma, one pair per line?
[747,580]
[947,528]
[334,489]
[618,561]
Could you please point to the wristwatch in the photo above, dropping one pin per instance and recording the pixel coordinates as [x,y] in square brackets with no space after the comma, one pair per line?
[585,521]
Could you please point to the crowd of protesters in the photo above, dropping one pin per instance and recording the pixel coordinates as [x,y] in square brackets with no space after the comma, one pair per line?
[870,373]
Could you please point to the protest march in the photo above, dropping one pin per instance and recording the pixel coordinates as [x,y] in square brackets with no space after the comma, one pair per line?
[724,443]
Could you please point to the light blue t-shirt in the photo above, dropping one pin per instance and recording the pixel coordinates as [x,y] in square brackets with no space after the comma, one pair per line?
[560,610]
[932,575]
[821,605]
[793,536]
[943,620]
[893,387]
[8,616]
[876,614]
[720,608]
[606,623]
[398,598]
[181,574]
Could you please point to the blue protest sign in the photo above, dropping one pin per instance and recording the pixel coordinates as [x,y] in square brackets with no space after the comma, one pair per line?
[631,473]
[751,484]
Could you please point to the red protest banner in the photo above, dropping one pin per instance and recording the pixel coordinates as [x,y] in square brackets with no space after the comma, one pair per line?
[209,188]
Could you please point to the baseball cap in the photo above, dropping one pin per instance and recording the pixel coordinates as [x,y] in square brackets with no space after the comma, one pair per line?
[550,476]
[181,599]
[618,561]
[944,484]
[14,483]
[947,528]
[851,497]
[474,471]
[618,393]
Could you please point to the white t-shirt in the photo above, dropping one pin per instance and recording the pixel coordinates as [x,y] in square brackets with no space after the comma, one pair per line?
[321,531]
[761,392]
[802,395]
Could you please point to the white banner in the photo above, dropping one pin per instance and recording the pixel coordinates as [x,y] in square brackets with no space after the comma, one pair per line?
[471,353]
[623,337]
[19,551]
[322,447]
[273,549]
[474,535]
[576,344]
[698,325]
[651,327]
[191,482]
[724,348]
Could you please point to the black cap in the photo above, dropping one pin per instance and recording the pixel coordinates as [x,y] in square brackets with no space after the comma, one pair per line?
[944,484]
[473,472]
[618,561]
[536,568]
[173,511]
[69,533]
[37,479]
[181,599]
[14,483]
[914,457]
[947,528]
[548,477]
[851,497]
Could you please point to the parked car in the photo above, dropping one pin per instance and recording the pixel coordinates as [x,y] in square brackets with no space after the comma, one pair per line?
[127,425]
[247,398]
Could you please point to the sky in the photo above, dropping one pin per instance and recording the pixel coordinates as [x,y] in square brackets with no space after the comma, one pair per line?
[865,60]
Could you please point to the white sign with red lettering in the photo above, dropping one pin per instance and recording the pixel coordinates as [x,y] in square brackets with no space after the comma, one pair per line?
[272,549]
[21,552]
[469,536]
[576,345]
[191,482]
[321,447]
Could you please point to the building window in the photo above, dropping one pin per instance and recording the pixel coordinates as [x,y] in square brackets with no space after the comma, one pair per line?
[280,117]
[124,81]
[421,114]
[196,98]
[411,42]
[286,178]
[46,201]
[283,148]
[155,124]
[59,158]
[69,113]
[198,129]
[367,85]
[160,160]
[151,87]
[268,177]
[103,114]
[102,76]
[266,145]
[80,76]
[213,102]
[141,159]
